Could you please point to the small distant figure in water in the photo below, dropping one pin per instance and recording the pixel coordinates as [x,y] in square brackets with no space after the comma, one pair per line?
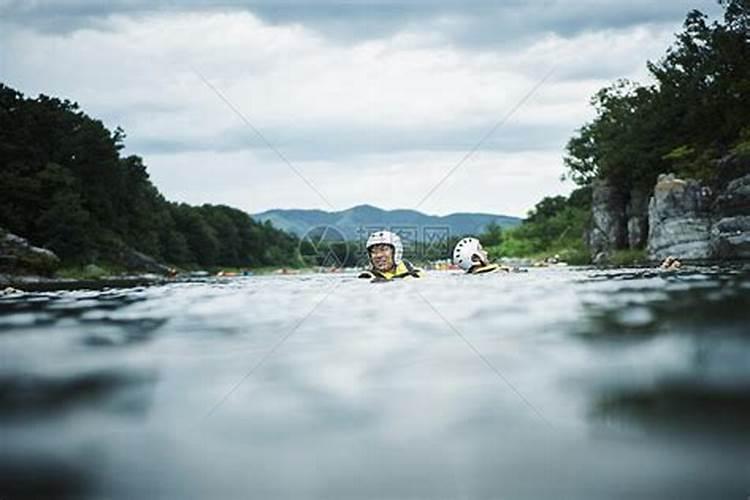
[385,253]
[670,264]
[469,255]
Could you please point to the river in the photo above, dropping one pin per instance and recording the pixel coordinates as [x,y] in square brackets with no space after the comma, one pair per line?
[555,383]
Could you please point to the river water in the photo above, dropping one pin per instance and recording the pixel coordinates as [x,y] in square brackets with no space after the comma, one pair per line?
[556,383]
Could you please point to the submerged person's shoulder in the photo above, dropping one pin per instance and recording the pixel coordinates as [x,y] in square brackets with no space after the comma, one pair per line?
[489,268]
[409,270]
[404,269]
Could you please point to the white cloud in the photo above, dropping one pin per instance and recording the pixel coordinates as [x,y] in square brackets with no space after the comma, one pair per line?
[137,71]
[491,182]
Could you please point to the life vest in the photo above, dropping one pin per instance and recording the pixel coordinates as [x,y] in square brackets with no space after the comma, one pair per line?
[404,269]
[489,268]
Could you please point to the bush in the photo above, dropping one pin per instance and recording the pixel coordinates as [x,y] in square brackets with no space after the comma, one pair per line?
[630,257]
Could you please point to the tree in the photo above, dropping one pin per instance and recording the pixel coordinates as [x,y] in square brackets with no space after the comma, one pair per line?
[695,113]
[492,235]
[63,184]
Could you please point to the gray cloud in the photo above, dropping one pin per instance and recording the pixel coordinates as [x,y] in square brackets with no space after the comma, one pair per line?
[343,143]
[475,24]
[355,115]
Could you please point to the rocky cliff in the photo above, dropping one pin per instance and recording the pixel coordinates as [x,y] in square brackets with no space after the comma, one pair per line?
[608,230]
[688,220]
[730,232]
[618,220]
[19,257]
[681,217]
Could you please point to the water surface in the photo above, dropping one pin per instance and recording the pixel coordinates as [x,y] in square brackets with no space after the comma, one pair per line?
[556,383]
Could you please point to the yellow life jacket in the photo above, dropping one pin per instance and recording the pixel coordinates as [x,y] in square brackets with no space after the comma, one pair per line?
[489,268]
[404,269]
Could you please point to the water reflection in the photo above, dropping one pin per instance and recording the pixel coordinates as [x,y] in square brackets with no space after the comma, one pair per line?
[644,376]
[34,395]
[679,405]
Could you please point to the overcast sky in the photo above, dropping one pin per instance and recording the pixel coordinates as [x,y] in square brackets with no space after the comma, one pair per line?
[369,102]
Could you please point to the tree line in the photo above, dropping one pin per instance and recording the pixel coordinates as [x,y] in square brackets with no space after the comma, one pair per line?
[65,186]
[695,113]
[690,120]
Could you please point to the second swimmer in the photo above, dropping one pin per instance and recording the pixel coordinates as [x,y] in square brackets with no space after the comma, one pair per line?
[469,255]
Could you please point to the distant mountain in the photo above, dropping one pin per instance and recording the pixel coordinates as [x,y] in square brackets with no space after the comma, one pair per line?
[362,219]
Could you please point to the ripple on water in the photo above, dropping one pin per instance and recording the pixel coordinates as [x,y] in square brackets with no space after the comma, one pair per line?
[431,386]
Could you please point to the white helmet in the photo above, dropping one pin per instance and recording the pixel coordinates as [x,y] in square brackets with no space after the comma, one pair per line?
[387,238]
[464,251]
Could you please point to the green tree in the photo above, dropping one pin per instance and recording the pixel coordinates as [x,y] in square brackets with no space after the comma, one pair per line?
[694,113]
[64,184]
[492,235]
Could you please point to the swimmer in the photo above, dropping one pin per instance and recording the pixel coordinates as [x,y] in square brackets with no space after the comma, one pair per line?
[670,264]
[385,253]
[469,255]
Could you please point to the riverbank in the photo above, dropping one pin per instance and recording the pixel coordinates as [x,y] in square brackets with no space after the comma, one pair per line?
[45,284]
[72,279]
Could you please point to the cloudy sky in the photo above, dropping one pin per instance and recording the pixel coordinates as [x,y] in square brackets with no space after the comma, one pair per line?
[330,104]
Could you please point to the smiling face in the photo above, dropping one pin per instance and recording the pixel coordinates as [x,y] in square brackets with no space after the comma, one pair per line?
[381,257]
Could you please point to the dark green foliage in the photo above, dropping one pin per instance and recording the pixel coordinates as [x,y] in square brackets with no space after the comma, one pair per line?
[65,186]
[492,235]
[696,112]
[554,226]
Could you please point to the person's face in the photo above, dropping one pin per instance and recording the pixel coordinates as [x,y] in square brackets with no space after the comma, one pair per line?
[381,257]
[480,257]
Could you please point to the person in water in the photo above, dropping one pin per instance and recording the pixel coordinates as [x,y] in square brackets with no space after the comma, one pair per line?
[469,255]
[385,253]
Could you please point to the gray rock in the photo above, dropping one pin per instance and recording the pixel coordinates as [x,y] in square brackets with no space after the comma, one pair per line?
[133,260]
[679,220]
[637,218]
[608,222]
[731,237]
[600,258]
[734,199]
[17,256]
[731,230]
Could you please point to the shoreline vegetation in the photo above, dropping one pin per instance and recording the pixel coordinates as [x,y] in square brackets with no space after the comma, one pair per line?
[692,123]
[67,189]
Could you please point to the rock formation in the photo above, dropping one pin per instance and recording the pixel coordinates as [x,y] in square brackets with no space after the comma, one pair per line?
[730,234]
[679,219]
[689,221]
[637,218]
[608,230]
[18,256]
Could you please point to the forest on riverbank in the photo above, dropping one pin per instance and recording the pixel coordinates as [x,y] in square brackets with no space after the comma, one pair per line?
[66,187]
[692,120]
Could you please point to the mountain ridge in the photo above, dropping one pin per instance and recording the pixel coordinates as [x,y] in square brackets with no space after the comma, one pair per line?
[355,221]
